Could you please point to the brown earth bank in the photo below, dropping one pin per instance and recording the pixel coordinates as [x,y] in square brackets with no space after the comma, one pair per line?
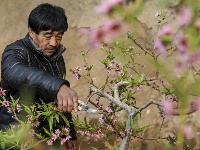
[13,26]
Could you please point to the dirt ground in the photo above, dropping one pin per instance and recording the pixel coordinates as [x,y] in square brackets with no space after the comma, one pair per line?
[13,26]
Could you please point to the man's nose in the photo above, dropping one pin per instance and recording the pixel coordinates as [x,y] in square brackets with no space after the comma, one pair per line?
[53,41]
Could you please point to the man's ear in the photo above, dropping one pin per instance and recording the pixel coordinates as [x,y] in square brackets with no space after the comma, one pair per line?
[31,32]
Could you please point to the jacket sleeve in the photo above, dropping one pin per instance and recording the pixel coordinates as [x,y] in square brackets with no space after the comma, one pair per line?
[17,73]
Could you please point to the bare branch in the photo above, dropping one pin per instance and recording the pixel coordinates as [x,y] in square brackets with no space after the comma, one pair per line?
[112,99]
[158,138]
[125,143]
[158,103]
[116,87]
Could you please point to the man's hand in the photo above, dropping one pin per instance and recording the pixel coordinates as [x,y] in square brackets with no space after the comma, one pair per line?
[67,99]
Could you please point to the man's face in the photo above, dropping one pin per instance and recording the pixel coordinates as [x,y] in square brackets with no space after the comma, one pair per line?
[47,41]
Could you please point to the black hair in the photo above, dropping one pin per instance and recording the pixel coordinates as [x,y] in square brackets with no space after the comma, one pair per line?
[47,17]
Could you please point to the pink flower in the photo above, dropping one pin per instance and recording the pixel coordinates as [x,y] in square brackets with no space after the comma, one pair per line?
[165,30]
[78,68]
[77,76]
[62,141]
[6,103]
[108,110]
[106,6]
[88,133]
[184,16]
[2,92]
[112,27]
[75,72]
[122,134]
[32,132]
[81,132]
[115,63]
[159,46]
[66,130]
[188,132]
[101,119]
[68,137]
[119,71]
[187,60]
[139,87]
[168,107]
[180,42]
[54,136]
[129,131]
[115,119]
[18,107]
[104,33]
[94,79]
[103,8]
[97,36]
[109,127]
[36,123]
[9,109]
[49,142]
[192,58]
[57,132]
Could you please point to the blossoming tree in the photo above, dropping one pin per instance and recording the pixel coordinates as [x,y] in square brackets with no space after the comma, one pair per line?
[176,82]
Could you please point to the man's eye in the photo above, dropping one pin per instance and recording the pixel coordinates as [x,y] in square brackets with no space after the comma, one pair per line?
[48,37]
[59,38]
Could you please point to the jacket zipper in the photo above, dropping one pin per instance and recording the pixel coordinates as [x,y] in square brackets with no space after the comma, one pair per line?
[58,69]
[50,64]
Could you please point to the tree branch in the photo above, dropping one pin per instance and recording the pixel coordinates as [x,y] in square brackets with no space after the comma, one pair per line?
[132,112]
[112,99]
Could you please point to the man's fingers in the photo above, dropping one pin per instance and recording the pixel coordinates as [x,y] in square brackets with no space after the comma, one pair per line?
[70,105]
[60,105]
[65,105]
[75,103]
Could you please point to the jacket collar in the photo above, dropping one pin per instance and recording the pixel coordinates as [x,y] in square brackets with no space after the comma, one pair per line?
[34,47]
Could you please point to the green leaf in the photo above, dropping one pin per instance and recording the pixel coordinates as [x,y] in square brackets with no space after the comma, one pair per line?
[64,118]
[40,136]
[50,120]
[57,117]
[116,148]
[47,132]
[27,109]
[51,105]
[85,122]
[139,78]
[47,113]
[142,128]
[164,91]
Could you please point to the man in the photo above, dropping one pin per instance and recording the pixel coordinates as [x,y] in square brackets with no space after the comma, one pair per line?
[35,62]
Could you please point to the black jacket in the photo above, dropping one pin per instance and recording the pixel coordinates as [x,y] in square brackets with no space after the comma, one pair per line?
[24,66]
